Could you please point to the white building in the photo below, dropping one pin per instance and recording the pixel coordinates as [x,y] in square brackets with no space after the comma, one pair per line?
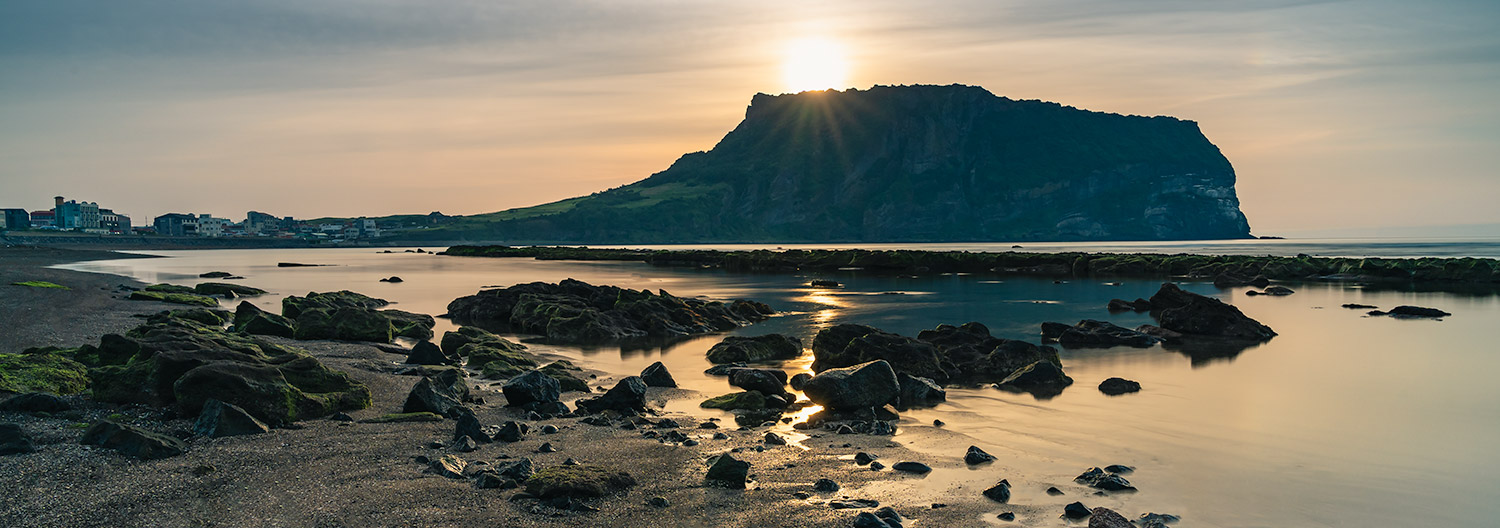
[211,227]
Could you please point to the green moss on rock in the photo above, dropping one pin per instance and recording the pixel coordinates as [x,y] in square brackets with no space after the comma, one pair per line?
[581,481]
[47,369]
[405,417]
[174,298]
[41,284]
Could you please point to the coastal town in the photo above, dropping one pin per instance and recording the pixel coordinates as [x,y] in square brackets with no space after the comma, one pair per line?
[90,218]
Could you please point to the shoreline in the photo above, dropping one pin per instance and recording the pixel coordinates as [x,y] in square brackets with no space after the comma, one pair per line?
[328,473]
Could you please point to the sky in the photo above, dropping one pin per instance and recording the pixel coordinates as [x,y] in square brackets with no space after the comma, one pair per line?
[1337,116]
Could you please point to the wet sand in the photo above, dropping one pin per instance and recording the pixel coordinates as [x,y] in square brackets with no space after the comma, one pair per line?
[333,474]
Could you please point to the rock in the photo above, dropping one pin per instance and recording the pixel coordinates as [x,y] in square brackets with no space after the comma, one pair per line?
[1007,516]
[14,440]
[466,445]
[450,466]
[1075,510]
[392,279]
[800,380]
[564,372]
[426,353]
[1193,314]
[219,419]
[546,447]
[293,306]
[468,426]
[1122,305]
[822,283]
[774,439]
[1118,468]
[1098,479]
[918,392]
[1166,336]
[1052,330]
[728,472]
[32,402]
[825,486]
[946,354]
[1413,312]
[1118,386]
[348,324]
[977,456]
[512,431]
[443,393]
[1229,280]
[628,396]
[765,381]
[863,458]
[226,289]
[276,394]
[869,520]
[735,401]
[411,417]
[1353,306]
[724,370]
[853,504]
[250,319]
[531,387]
[658,502]
[409,324]
[1157,520]
[132,441]
[1091,333]
[174,298]
[215,275]
[576,312]
[865,385]
[1106,518]
[760,349]
[656,375]
[999,492]
[518,470]
[1053,491]
[912,467]
[488,480]
[909,355]
[1273,290]
[1043,378]
[876,466]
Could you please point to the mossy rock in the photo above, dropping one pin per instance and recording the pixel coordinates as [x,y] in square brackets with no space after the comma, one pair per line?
[581,481]
[250,319]
[41,284]
[404,418]
[221,288]
[501,370]
[481,353]
[734,401]
[562,371]
[47,369]
[169,288]
[413,325]
[292,307]
[200,315]
[770,347]
[174,298]
[351,324]
[453,341]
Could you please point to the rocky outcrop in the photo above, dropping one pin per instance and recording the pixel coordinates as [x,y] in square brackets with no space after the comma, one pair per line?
[656,375]
[132,441]
[627,397]
[250,319]
[1091,333]
[1118,386]
[219,419]
[443,393]
[185,363]
[1196,315]
[576,312]
[946,354]
[1400,312]
[1043,379]
[770,347]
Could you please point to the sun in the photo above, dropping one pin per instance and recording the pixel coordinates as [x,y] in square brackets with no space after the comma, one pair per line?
[814,63]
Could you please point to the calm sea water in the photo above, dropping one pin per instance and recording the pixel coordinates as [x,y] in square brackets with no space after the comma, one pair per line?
[1341,420]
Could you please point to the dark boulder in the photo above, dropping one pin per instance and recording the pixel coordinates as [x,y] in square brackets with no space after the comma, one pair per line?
[518,470]
[35,402]
[298,389]
[392,279]
[919,392]
[468,426]
[771,347]
[531,387]
[1193,314]
[14,440]
[799,381]
[1122,305]
[219,419]
[1091,333]
[749,400]
[861,386]
[628,396]
[1042,379]
[1075,510]
[226,290]
[409,324]
[728,472]
[450,466]
[1099,479]
[824,485]
[977,456]
[453,341]
[1053,330]
[426,353]
[912,467]
[656,375]
[1402,312]
[250,319]
[1354,306]
[1117,386]
[132,441]
[1102,517]
[765,381]
[999,492]
[443,393]
[347,323]
[293,306]
[1166,336]
[512,431]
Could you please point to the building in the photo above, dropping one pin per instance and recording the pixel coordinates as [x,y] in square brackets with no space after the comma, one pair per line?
[176,224]
[367,228]
[14,219]
[76,215]
[113,222]
[258,223]
[43,218]
[211,227]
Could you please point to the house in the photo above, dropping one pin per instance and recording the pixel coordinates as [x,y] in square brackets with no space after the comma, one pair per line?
[176,224]
[14,219]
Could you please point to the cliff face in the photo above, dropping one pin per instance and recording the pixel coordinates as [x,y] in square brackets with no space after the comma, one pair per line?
[916,163]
